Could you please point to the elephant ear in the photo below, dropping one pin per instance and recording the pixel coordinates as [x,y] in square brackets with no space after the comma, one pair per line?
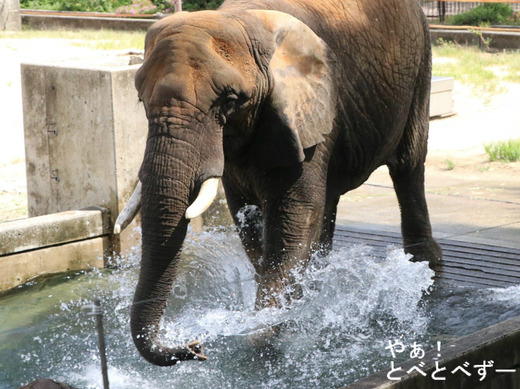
[301,107]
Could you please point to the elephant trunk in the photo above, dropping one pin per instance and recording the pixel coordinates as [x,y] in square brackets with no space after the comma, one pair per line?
[168,182]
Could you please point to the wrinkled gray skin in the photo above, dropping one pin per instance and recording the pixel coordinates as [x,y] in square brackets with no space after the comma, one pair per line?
[291,112]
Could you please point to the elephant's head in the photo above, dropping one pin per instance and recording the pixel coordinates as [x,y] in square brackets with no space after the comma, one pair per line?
[216,87]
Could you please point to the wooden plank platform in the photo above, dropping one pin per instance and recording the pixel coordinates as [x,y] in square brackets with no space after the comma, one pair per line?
[464,263]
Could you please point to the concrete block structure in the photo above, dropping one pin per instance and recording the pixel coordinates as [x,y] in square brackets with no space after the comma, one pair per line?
[85,133]
[10,18]
[441,96]
[57,243]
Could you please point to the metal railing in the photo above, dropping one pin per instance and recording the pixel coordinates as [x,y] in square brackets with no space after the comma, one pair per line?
[440,9]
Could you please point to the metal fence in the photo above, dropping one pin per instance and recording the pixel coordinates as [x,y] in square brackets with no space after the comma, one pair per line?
[440,9]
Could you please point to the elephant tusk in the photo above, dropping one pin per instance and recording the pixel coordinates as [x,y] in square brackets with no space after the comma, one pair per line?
[129,211]
[207,193]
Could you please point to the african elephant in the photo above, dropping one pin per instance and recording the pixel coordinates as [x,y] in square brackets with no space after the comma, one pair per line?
[291,103]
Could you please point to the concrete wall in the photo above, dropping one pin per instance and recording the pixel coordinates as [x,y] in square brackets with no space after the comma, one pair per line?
[495,40]
[10,19]
[66,241]
[50,22]
[85,134]
[441,96]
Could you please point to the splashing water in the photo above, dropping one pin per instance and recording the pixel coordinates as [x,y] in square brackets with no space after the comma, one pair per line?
[352,304]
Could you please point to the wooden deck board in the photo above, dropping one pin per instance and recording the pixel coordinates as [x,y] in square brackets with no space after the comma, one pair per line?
[464,263]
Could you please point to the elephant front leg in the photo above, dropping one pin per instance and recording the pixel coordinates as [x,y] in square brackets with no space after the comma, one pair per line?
[291,234]
[415,220]
[249,223]
[329,225]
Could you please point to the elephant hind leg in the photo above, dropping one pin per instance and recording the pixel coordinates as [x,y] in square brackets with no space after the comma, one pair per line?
[407,172]
[415,220]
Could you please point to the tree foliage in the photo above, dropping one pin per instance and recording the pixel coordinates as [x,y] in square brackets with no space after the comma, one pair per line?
[74,5]
[196,5]
[487,13]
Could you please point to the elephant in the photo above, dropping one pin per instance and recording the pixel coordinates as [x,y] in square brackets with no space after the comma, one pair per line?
[291,104]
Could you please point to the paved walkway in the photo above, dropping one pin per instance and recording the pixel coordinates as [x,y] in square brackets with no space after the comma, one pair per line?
[486,211]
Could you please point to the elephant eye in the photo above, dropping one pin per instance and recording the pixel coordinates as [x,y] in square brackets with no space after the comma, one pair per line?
[229,104]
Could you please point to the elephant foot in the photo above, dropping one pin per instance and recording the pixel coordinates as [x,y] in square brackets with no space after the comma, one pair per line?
[425,251]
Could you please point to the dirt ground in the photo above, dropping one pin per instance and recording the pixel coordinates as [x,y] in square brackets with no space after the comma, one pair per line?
[457,143]
[458,139]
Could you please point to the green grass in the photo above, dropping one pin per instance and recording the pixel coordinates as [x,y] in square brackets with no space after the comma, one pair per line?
[450,164]
[94,39]
[506,151]
[483,70]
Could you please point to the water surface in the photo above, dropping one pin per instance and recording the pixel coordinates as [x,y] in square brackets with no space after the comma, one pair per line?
[353,304]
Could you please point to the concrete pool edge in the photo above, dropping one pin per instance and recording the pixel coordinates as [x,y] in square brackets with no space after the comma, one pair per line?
[499,344]
[51,244]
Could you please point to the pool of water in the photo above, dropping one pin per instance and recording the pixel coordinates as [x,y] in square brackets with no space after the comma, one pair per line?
[353,304]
